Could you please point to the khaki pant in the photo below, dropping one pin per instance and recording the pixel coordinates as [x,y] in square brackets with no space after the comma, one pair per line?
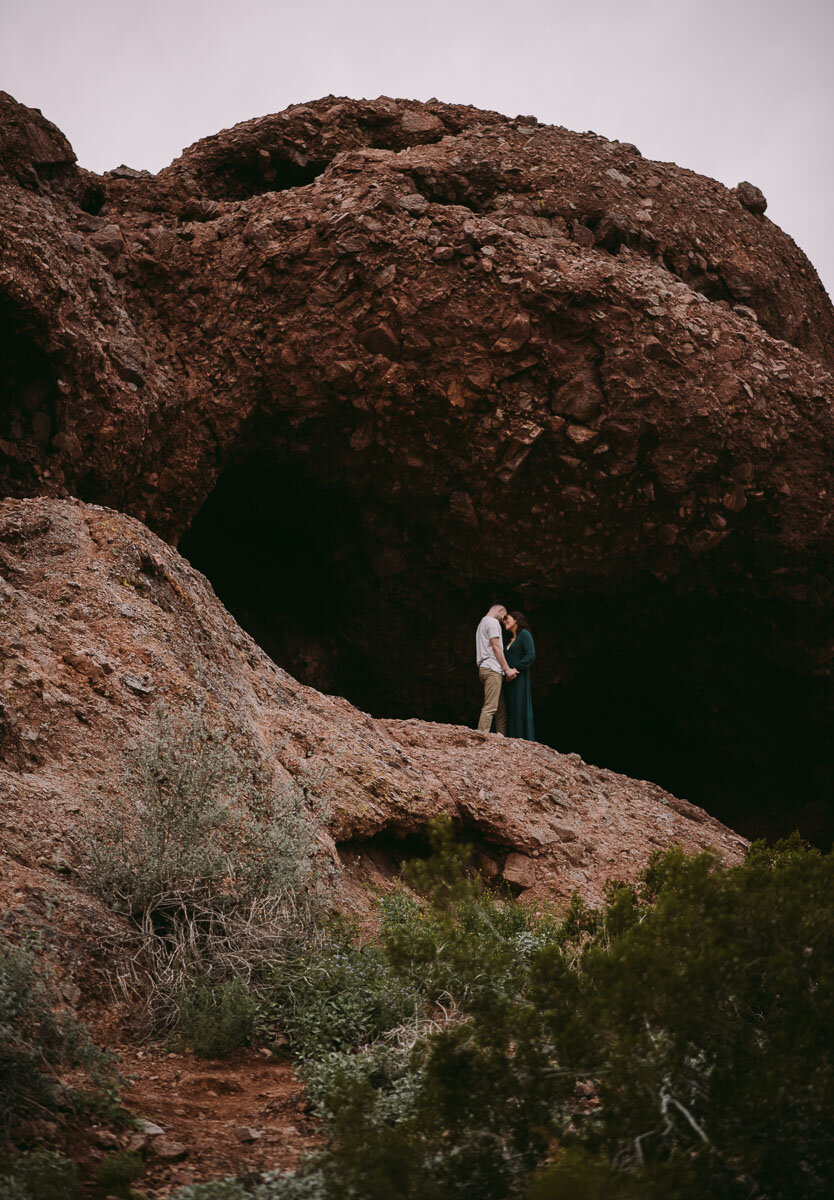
[494,705]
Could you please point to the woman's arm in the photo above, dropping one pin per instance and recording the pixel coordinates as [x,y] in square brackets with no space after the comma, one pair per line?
[526,650]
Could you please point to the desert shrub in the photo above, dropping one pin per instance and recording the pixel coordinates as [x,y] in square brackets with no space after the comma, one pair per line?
[706,1025]
[466,944]
[38,1175]
[307,1185]
[219,1189]
[311,1185]
[387,1076]
[103,1105]
[676,1043]
[117,1171]
[332,995]
[214,1021]
[11,1188]
[37,1038]
[216,866]
[196,825]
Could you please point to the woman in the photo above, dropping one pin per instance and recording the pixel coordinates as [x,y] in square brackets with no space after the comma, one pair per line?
[521,654]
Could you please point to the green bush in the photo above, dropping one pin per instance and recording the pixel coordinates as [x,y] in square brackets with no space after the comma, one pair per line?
[214,1021]
[309,1185]
[39,1175]
[117,1171]
[387,1076]
[37,1038]
[466,942]
[220,1189]
[675,1043]
[332,996]
[103,1105]
[706,1024]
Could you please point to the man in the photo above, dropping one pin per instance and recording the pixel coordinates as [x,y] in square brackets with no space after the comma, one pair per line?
[492,668]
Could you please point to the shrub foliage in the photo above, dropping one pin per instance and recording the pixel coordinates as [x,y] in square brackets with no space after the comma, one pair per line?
[37,1038]
[216,867]
[38,1175]
[196,826]
[332,995]
[675,1043]
[214,1021]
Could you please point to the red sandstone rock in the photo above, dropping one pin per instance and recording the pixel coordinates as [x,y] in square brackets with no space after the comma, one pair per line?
[169,1151]
[245,1133]
[32,149]
[751,197]
[456,353]
[520,871]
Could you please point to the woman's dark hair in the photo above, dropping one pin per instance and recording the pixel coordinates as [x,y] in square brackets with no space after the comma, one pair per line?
[521,621]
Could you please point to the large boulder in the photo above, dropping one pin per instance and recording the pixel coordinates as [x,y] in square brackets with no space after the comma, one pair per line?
[373,364]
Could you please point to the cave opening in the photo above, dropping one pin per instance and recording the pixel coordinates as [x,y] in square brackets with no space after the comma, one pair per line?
[28,397]
[701,694]
[93,199]
[241,178]
[281,553]
[384,855]
[702,691]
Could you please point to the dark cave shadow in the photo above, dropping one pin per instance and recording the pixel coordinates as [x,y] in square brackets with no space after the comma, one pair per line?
[694,692]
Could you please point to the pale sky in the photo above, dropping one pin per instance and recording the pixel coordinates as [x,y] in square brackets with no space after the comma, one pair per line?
[735,89]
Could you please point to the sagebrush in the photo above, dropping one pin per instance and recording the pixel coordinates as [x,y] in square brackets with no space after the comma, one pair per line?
[214,861]
[197,824]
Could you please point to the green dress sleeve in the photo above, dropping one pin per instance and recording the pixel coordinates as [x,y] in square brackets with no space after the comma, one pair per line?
[526,650]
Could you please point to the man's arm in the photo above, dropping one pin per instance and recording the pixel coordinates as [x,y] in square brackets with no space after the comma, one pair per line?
[509,671]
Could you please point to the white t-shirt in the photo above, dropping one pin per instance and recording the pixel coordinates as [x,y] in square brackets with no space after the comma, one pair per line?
[489,627]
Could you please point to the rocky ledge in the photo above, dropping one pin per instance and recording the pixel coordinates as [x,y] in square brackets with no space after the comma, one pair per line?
[101,621]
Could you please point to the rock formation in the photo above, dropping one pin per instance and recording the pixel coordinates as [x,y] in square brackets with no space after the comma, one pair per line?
[99,622]
[102,621]
[373,364]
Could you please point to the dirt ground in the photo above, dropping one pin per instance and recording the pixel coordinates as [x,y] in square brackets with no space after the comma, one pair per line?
[204,1110]
[198,1104]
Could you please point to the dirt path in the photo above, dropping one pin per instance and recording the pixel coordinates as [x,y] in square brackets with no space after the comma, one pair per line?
[205,1108]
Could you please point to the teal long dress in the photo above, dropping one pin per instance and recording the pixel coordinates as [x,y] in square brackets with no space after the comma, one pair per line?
[521,654]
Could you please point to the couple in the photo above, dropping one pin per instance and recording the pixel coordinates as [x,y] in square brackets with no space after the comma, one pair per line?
[504,671]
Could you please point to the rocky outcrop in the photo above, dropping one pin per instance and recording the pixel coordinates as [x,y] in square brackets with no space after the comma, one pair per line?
[32,150]
[376,363]
[101,621]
